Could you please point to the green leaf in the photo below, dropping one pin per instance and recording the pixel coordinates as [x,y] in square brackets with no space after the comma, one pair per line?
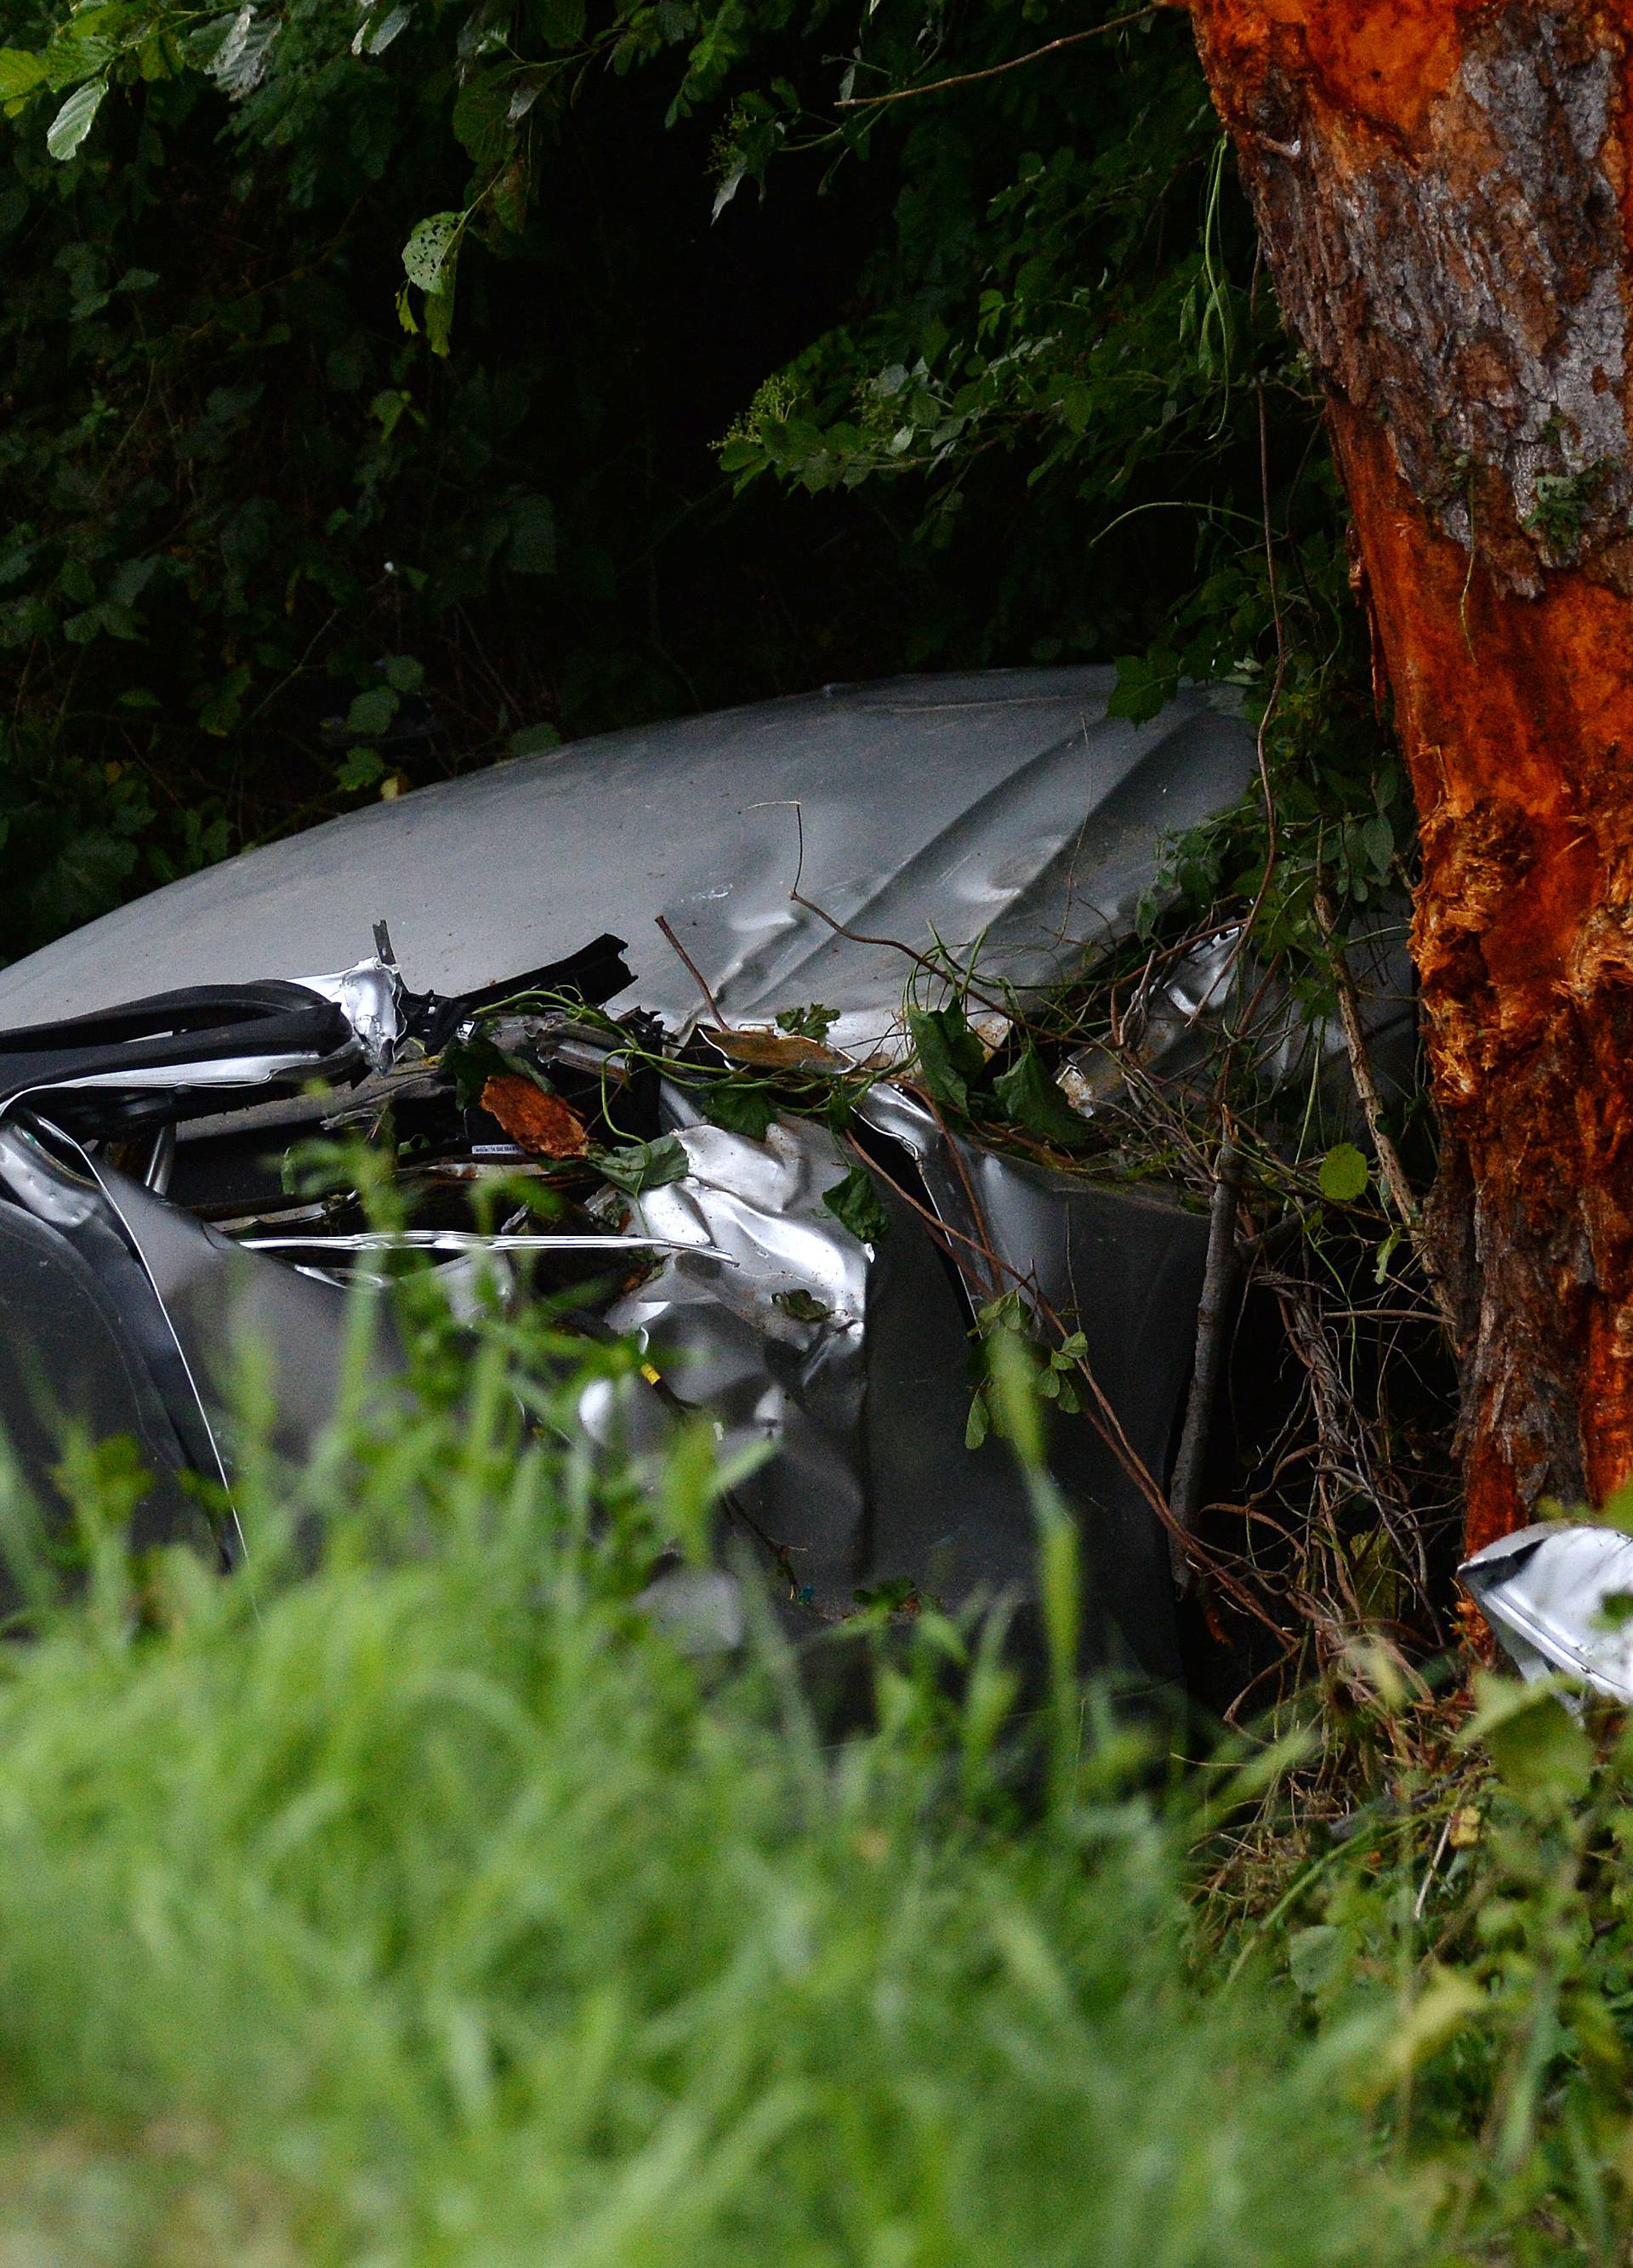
[107,616]
[1313,1954]
[430,249]
[1344,1174]
[742,453]
[370,714]
[532,536]
[741,1106]
[643,1165]
[1031,1099]
[132,577]
[534,740]
[812,1023]
[482,119]
[471,1062]
[1379,837]
[69,129]
[20,73]
[1537,1745]
[379,30]
[978,1424]
[403,674]
[359,769]
[950,1057]
[855,1203]
[389,407]
[76,56]
[1144,681]
[439,311]
[223,705]
[560,22]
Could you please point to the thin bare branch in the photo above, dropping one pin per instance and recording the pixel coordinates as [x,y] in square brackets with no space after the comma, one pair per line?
[1391,1171]
[697,976]
[1219,1280]
[997,70]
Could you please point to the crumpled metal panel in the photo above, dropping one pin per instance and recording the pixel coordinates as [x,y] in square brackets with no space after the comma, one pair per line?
[1217,989]
[1545,1592]
[192,1301]
[864,1404]
[1005,807]
[69,1362]
[716,1323]
[1124,1266]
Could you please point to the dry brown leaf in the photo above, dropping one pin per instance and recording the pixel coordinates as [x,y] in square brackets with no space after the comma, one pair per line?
[763,1050]
[542,1124]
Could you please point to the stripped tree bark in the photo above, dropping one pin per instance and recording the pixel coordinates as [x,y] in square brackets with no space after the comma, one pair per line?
[1444,194]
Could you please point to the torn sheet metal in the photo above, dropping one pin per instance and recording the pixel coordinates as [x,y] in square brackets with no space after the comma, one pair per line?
[1216,992]
[1125,1268]
[194,1304]
[852,1363]
[762,1321]
[1559,1597]
[370,996]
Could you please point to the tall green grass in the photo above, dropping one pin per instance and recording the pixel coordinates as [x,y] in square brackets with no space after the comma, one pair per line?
[412,1897]
[428,1904]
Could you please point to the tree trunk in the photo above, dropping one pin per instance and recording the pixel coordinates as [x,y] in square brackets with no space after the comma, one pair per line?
[1443,190]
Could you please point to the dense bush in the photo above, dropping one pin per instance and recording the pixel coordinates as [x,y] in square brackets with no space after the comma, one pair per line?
[381,397]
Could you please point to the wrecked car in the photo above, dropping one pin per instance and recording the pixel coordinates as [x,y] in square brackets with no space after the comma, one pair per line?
[1558,1597]
[686,982]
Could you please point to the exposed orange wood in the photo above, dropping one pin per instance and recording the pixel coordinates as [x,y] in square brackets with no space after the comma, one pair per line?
[1443,192]
[1517,717]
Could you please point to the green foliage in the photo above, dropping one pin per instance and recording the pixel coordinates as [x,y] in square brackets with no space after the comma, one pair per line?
[336,343]
[641,1165]
[1344,1174]
[948,1057]
[812,1023]
[1030,1099]
[857,1204]
[430,1901]
[1481,1880]
[263,551]
[742,1106]
[1020,1369]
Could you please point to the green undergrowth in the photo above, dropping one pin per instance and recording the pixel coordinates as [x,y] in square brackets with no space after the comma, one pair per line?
[412,1896]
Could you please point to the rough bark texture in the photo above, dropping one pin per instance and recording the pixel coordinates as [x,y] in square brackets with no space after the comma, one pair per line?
[1444,195]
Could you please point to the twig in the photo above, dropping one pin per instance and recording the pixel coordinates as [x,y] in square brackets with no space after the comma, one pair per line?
[1219,1280]
[859,936]
[698,979]
[1271,832]
[1430,1872]
[997,70]
[1391,1171]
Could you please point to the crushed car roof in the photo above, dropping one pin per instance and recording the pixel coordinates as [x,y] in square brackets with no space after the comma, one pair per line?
[1005,809]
